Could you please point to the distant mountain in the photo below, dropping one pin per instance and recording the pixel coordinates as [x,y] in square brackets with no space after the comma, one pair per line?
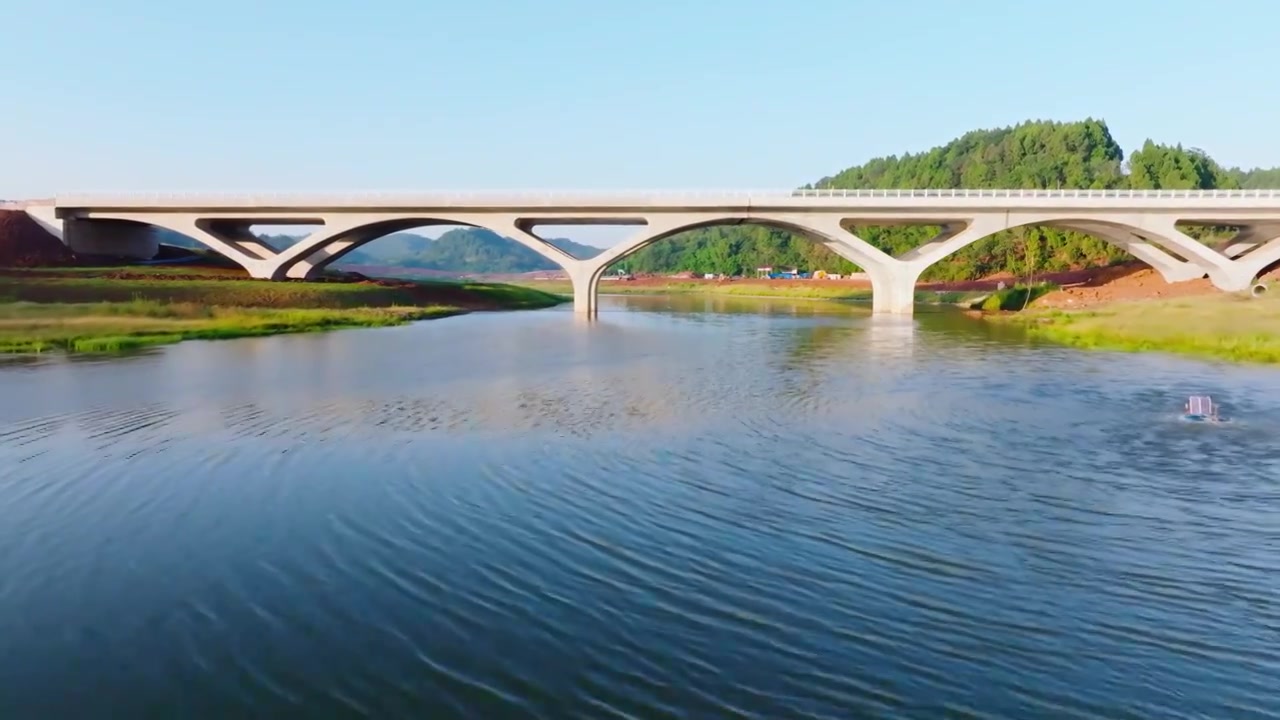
[1258,178]
[476,250]
[388,249]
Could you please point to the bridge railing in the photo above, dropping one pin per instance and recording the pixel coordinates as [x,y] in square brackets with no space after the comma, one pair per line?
[87,199]
[1034,193]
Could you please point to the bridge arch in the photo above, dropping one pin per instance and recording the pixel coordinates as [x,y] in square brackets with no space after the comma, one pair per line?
[1158,249]
[827,232]
[1138,242]
[1157,240]
[140,234]
[309,256]
[849,247]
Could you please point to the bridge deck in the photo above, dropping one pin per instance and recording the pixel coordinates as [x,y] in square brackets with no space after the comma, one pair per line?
[639,201]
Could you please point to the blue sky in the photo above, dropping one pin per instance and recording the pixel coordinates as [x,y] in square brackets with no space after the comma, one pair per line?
[419,94]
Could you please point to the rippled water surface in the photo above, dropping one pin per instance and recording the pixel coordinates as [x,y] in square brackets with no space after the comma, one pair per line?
[690,508]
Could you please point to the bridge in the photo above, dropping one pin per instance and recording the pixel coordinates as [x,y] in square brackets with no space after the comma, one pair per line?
[1144,223]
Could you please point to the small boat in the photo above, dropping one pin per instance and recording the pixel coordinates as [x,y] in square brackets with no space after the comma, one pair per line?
[1200,408]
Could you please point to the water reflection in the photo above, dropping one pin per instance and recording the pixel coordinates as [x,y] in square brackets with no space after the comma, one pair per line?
[688,507]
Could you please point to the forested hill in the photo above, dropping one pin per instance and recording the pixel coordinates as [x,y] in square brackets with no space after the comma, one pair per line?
[1259,178]
[476,250]
[1030,155]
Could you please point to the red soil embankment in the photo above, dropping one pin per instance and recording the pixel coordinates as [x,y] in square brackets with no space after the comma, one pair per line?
[1121,283]
[24,243]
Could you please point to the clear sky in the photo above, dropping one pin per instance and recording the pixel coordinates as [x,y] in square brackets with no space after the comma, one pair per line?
[241,95]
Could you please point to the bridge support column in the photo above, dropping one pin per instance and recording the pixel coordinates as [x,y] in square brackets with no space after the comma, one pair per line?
[1235,277]
[1170,268]
[1252,252]
[240,246]
[893,287]
[1225,274]
[586,288]
[312,266]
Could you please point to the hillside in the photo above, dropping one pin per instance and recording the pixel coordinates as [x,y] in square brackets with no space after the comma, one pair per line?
[476,250]
[1030,155]
[1257,178]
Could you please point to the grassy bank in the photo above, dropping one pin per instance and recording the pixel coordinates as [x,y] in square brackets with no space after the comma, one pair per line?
[1012,299]
[227,289]
[113,327]
[743,288]
[797,289]
[1225,327]
[113,309]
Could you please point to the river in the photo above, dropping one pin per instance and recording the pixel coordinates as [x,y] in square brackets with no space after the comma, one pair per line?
[691,508]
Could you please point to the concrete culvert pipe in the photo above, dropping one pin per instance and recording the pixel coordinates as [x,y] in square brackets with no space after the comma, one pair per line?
[1258,289]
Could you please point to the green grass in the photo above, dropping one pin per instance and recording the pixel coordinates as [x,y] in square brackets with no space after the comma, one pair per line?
[747,288]
[511,297]
[744,288]
[96,310]
[150,270]
[234,293]
[113,327]
[950,297]
[91,285]
[1230,327]
[1012,299]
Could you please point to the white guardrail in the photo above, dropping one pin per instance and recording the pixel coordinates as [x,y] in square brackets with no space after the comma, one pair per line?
[568,196]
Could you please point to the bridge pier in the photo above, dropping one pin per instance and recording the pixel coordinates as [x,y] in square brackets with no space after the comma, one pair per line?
[586,288]
[1170,268]
[893,288]
[311,266]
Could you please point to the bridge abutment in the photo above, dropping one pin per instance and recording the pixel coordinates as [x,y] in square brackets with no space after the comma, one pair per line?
[111,238]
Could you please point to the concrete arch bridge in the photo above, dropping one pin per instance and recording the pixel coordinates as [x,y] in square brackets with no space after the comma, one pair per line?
[1143,223]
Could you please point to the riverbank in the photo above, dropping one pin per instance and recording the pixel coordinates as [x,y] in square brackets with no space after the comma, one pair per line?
[836,290]
[1221,326]
[121,308]
[849,289]
[814,289]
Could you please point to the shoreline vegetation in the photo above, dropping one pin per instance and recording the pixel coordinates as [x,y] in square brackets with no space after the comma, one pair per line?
[1133,317]
[1229,326]
[115,309]
[838,291]
[798,289]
